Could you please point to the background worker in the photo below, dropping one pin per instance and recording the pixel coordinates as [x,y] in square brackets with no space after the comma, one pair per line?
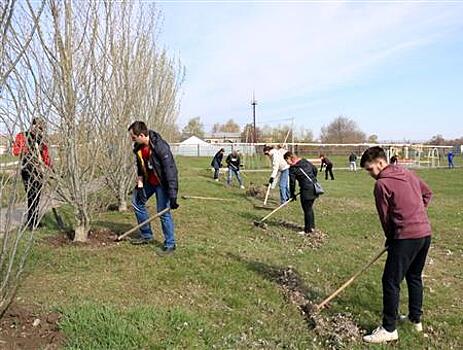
[306,174]
[401,200]
[450,160]
[234,162]
[280,170]
[217,163]
[31,146]
[325,162]
[353,161]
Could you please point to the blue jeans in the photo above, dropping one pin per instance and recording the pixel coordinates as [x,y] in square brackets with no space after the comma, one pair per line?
[284,186]
[162,202]
[232,171]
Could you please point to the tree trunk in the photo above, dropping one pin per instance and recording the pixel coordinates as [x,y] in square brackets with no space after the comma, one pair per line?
[82,227]
[122,205]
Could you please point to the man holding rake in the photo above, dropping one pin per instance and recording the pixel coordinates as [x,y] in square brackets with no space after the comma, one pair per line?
[401,200]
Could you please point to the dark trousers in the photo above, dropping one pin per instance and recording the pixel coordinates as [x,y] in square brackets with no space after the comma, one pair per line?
[33,182]
[216,173]
[329,169]
[405,258]
[309,217]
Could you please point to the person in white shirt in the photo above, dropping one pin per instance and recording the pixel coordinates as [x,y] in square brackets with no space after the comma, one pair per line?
[280,171]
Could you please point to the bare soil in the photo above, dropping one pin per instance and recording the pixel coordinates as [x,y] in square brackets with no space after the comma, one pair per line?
[98,238]
[23,328]
[335,331]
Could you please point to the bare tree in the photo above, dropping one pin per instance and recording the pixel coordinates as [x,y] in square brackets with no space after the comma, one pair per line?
[68,58]
[18,25]
[193,127]
[342,130]
[140,83]
[229,126]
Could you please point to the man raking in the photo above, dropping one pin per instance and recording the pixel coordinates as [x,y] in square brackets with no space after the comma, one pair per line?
[401,200]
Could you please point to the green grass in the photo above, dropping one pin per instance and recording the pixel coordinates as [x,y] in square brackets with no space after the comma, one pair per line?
[217,291]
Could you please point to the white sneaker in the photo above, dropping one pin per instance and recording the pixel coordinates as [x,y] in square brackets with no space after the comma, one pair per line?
[242,187]
[417,326]
[302,233]
[216,180]
[380,335]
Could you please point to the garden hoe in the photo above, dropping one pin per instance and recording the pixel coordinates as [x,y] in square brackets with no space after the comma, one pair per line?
[350,280]
[261,223]
[142,224]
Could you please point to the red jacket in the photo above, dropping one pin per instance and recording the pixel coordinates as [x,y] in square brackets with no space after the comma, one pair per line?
[20,146]
[401,200]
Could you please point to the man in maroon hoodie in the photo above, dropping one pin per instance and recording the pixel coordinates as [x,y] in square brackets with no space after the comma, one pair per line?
[401,200]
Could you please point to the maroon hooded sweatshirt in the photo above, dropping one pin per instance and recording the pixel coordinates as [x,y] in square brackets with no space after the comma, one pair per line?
[401,200]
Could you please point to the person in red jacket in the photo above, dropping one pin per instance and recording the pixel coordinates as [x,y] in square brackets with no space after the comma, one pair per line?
[30,146]
[401,200]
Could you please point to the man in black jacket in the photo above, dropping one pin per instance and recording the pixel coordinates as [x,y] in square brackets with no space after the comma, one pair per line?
[217,163]
[329,166]
[156,174]
[306,174]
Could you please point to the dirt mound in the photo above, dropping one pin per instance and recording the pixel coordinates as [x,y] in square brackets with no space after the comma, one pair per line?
[256,191]
[21,328]
[335,331]
[96,238]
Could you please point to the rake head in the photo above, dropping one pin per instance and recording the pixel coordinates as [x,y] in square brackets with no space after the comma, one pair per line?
[260,224]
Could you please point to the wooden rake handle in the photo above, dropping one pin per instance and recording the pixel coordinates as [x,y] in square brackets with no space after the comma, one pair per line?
[350,280]
[142,224]
[266,194]
[276,209]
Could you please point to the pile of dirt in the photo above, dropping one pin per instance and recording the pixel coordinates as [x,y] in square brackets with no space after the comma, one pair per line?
[335,331]
[96,238]
[21,328]
[256,191]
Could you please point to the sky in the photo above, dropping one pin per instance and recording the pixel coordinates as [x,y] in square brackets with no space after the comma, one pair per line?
[394,67]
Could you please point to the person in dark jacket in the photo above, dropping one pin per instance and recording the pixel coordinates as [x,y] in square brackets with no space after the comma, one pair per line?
[353,161]
[306,174]
[156,174]
[450,160]
[217,163]
[325,162]
[234,162]
[401,200]
[35,159]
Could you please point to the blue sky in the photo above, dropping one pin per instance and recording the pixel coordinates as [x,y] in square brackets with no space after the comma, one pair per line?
[394,67]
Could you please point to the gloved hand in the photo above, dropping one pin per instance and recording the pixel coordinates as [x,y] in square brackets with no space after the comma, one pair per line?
[388,242]
[173,203]
[270,181]
[293,197]
[141,195]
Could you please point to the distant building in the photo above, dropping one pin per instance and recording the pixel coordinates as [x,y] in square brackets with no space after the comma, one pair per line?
[223,137]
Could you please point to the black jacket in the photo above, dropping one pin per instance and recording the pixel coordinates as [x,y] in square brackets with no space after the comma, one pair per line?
[162,162]
[217,160]
[233,162]
[296,172]
[352,157]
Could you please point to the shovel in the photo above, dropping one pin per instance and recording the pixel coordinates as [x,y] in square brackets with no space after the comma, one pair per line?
[261,223]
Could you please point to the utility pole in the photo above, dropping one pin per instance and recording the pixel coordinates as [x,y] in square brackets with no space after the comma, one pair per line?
[254,104]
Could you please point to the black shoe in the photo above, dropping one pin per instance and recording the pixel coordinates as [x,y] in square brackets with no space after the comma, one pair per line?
[166,251]
[140,241]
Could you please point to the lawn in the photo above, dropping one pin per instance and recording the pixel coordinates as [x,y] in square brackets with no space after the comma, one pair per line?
[219,290]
